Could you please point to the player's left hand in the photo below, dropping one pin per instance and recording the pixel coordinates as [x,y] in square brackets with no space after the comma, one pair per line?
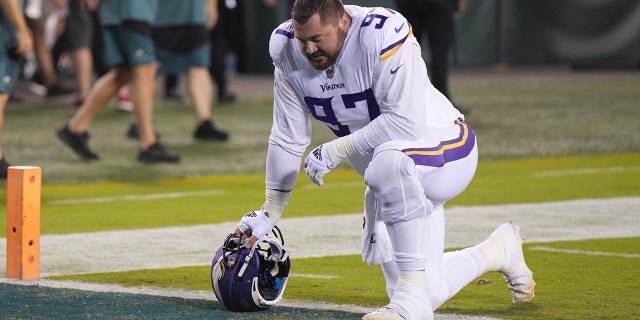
[320,161]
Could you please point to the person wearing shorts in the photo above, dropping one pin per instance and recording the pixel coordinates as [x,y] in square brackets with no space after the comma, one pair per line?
[15,43]
[180,34]
[130,54]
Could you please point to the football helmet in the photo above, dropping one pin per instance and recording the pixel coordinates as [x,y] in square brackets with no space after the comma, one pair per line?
[250,279]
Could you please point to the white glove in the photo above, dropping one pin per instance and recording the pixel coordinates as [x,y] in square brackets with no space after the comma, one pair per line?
[256,223]
[320,161]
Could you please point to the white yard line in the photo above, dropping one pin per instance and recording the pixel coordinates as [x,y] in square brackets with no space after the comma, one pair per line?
[587,253]
[584,171]
[318,236]
[138,197]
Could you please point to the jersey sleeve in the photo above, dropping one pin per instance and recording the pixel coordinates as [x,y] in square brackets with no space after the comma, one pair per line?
[399,83]
[291,129]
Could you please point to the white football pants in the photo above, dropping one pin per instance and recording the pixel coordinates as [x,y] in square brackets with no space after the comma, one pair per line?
[411,181]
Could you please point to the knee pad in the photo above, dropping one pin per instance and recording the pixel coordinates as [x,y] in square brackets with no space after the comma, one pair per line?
[391,176]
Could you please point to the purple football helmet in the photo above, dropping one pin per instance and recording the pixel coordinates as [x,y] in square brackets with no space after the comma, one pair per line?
[250,279]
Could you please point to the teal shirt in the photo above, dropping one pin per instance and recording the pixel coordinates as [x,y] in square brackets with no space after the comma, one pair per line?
[180,13]
[114,12]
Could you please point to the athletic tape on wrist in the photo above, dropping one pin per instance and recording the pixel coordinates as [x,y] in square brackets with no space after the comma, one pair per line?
[275,203]
[343,147]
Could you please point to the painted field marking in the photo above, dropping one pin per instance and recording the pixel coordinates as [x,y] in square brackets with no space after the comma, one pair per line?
[336,185]
[570,172]
[319,236]
[588,253]
[138,197]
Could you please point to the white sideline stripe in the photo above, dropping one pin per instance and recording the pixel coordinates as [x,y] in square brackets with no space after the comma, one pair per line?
[138,197]
[318,236]
[588,253]
[552,173]
[337,185]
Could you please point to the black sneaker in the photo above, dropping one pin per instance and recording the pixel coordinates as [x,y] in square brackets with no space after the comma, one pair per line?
[226,97]
[58,90]
[4,168]
[157,153]
[132,132]
[77,142]
[207,131]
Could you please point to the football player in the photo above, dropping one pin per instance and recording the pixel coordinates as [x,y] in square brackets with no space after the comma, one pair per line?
[360,71]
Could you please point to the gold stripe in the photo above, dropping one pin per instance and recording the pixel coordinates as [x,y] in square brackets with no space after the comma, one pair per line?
[465,135]
[389,53]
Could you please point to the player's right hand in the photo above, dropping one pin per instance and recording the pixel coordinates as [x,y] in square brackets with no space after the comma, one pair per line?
[255,225]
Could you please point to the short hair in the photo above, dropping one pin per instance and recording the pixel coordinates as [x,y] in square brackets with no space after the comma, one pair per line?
[330,11]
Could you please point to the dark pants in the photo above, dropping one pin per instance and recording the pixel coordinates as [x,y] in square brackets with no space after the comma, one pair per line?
[436,18]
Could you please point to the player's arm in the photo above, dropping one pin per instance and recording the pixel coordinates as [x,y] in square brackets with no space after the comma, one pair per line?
[399,86]
[400,82]
[290,136]
[23,35]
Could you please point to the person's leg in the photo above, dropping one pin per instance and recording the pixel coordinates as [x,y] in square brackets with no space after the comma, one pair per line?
[440,32]
[406,212]
[43,55]
[171,86]
[100,94]
[142,94]
[83,66]
[413,11]
[199,87]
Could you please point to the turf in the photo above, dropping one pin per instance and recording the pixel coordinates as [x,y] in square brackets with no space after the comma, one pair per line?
[115,206]
[539,141]
[519,119]
[572,285]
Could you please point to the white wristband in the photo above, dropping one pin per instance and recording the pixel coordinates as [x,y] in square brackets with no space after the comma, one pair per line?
[344,147]
[275,203]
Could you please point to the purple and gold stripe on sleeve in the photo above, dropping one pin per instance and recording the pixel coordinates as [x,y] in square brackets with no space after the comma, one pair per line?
[446,151]
[390,50]
[286,33]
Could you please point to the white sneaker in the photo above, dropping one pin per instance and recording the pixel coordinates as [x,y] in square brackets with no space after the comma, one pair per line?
[384,313]
[510,261]
[124,103]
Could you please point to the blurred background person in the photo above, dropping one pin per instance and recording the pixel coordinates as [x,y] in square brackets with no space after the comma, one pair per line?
[45,79]
[222,36]
[130,53]
[15,43]
[436,18]
[82,41]
[182,45]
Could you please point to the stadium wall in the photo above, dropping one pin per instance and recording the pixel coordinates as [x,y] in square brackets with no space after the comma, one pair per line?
[588,33]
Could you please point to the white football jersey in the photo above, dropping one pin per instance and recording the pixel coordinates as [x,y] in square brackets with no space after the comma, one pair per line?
[378,89]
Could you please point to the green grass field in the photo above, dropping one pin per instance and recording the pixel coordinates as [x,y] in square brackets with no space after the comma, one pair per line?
[540,141]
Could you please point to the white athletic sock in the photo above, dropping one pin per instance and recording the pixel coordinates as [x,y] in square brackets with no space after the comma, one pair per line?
[493,255]
[459,268]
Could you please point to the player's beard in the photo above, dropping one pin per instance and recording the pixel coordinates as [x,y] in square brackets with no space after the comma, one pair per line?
[327,59]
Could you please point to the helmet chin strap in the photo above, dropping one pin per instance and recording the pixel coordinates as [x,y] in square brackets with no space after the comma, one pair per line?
[248,257]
